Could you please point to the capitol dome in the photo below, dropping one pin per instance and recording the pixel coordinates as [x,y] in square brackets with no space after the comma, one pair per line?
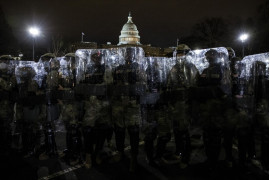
[129,33]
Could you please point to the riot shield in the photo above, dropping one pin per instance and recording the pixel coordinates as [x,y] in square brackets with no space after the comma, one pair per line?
[198,58]
[129,77]
[27,75]
[156,72]
[8,80]
[92,71]
[255,71]
[67,78]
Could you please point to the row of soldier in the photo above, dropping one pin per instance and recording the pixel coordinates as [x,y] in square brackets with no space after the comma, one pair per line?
[95,98]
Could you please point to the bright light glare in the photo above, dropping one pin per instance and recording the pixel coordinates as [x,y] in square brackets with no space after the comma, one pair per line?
[34,31]
[243,37]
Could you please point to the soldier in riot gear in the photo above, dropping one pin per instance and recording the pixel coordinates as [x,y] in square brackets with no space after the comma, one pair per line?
[255,105]
[51,108]
[97,111]
[182,76]
[7,104]
[70,110]
[155,117]
[211,106]
[230,122]
[126,110]
[30,108]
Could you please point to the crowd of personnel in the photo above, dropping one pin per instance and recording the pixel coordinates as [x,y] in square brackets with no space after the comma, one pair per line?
[135,100]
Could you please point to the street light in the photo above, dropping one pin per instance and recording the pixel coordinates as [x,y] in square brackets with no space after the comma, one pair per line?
[34,33]
[243,38]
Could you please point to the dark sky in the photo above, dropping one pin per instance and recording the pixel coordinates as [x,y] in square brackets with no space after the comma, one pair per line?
[159,22]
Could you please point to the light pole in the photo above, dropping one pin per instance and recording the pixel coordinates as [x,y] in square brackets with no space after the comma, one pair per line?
[243,38]
[34,33]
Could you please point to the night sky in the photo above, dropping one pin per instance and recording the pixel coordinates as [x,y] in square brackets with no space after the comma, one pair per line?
[159,22]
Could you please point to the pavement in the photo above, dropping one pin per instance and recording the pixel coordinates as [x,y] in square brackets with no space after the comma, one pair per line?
[14,166]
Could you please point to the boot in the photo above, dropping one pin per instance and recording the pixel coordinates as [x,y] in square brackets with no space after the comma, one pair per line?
[133,164]
[88,161]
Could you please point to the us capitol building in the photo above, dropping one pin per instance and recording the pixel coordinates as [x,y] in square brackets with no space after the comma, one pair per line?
[129,37]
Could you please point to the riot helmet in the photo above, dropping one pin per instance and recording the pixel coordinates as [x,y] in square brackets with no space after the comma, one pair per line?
[212,56]
[3,67]
[54,64]
[129,55]
[96,58]
[25,74]
[6,57]
[47,57]
[231,52]
[182,49]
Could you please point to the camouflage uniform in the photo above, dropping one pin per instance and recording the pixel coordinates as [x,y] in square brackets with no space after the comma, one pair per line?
[230,123]
[52,107]
[212,107]
[7,105]
[182,76]
[97,112]
[126,108]
[70,110]
[29,105]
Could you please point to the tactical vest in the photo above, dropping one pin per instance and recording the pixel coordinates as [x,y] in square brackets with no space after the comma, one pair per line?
[126,74]
[95,75]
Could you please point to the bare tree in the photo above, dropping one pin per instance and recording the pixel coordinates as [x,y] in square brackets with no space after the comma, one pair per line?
[210,31]
[57,44]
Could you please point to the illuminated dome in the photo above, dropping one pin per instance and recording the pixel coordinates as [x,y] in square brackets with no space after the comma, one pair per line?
[129,33]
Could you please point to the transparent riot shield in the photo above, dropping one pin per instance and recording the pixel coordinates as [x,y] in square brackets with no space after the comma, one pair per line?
[67,78]
[198,58]
[8,79]
[157,69]
[26,77]
[97,69]
[256,73]
[128,71]
[92,71]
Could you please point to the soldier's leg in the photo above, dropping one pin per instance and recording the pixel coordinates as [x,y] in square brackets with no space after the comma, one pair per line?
[109,134]
[134,143]
[179,146]
[161,145]
[50,143]
[265,147]
[149,145]
[182,143]
[242,145]
[74,140]
[120,139]
[212,142]
[251,143]
[88,134]
[101,132]
[187,147]
[228,134]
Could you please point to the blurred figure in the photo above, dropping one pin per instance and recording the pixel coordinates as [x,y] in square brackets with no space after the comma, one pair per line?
[52,107]
[211,106]
[126,109]
[30,109]
[7,106]
[156,122]
[182,76]
[70,109]
[97,124]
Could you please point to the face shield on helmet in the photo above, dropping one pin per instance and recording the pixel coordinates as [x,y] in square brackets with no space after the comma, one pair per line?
[3,67]
[182,49]
[230,52]
[129,55]
[97,58]
[54,64]
[212,56]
